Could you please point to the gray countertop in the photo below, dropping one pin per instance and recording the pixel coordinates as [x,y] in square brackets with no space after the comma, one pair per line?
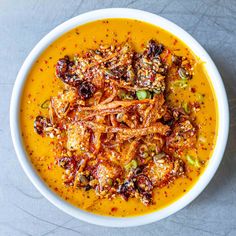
[23,210]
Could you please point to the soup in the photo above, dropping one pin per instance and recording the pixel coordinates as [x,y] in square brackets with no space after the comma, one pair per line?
[119,117]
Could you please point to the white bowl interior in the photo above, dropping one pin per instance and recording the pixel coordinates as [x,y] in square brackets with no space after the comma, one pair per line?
[223,117]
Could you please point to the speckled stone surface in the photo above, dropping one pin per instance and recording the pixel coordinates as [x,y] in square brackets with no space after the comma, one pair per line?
[23,210]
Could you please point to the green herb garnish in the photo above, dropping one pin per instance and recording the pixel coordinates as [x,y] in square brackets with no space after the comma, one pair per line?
[181,83]
[186,107]
[193,161]
[143,94]
[131,165]
[200,97]
[45,104]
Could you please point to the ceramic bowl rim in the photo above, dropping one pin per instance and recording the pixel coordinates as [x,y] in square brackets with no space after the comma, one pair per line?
[216,80]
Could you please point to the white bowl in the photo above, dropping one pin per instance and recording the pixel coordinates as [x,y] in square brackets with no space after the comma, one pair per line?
[223,117]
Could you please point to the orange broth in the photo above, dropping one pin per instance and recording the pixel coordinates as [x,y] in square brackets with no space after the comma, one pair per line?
[42,84]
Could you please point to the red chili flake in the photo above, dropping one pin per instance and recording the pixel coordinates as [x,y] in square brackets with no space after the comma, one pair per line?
[46,62]
[60,125]
[175,41]
[41,69]
[50,166]
[188,66]
[193,90]
[152,78]
[63,48]
[113,209]
[166,194]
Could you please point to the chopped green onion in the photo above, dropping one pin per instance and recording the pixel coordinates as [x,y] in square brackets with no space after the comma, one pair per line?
[144,155]
[181,83]
[152,147]
[183,74]
[76,60]
[45,104]
[143,94]
[193,161]
[186,107]
[200,97]
[131,165]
